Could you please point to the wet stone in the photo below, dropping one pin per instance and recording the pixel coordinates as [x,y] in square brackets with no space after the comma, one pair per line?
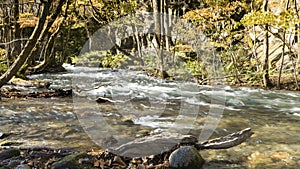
[3,135]
[186,157]
[6,154]
[22,166]
[13,163]
[73,161]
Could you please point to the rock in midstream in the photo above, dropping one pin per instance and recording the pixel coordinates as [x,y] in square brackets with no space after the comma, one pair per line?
[186,157]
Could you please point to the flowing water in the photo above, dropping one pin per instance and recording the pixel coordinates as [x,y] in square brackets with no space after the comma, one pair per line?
[144,105]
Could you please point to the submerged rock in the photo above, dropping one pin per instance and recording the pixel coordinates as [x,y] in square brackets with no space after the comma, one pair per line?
[186,157]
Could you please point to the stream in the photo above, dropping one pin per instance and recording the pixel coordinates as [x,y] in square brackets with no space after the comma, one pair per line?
[145,105]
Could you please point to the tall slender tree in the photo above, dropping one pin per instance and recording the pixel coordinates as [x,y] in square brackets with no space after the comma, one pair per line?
[266,78]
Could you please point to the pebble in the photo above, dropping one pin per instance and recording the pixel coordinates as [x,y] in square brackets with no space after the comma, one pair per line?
[186,157]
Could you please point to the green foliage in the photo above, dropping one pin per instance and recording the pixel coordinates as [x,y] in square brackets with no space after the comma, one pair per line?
[3,67]
[283,20]
[195,67]
[2,54]
[220,21]
[92,58]
[101,58]
[113,61]
[3,61]
[101,10]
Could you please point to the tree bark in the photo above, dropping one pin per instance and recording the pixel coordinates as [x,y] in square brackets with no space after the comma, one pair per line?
[283,50]
[46,52]
[25,53]
[17,32]
[167,25]
[266,78]
[138,42]
[282,61]
[158,32]
[7,34]
[297,40]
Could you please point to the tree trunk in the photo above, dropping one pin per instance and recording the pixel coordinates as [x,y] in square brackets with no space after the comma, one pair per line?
[47,54]
[283,50]
[297,40]
[158,9]
[138,42]
[266,79]
[161,39]
[157,28]
[7,34]
[49,44]
[25,53]
[282,61]
[17,32]
[167,23]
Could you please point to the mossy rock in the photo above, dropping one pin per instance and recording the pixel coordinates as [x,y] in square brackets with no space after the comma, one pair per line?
[186,157]
[73,161]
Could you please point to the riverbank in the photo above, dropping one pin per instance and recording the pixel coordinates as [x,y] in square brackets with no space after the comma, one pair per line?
[48,158]
[287,83]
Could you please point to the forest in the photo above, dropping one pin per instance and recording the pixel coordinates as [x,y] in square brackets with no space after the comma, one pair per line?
[255,40]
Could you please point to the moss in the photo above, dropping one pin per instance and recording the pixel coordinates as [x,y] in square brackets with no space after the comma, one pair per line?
[3,67]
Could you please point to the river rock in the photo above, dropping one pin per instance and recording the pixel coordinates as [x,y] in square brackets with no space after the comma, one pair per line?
[73,161]
[13,163]
[3,135]
[6,154]
[186,157]
[22,166]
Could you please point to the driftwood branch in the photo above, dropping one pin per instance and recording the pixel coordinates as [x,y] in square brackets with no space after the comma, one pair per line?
[165,143]
[228,141]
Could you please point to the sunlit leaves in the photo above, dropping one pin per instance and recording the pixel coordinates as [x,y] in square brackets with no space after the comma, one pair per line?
[283,20]
[104,10]
[27,20]
[56,24]
[216,17]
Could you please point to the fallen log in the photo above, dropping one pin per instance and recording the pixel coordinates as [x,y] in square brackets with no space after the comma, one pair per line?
[225,142]
[29,83]
[168,142]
